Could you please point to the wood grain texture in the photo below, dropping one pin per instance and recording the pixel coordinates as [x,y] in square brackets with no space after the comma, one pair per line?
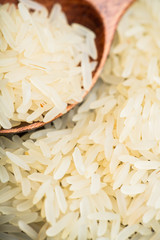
[102,17]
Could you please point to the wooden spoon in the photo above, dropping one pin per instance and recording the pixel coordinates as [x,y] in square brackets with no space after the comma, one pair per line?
[101,16]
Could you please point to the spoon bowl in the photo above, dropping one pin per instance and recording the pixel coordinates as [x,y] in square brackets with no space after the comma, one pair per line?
[102,17]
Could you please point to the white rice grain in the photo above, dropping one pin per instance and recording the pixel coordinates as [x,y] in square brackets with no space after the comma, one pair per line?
[16,160]
[133,189]
[4,177]
[127,232]
[60,225]
[77,157]
[27,229]
[62,169]
[61,199]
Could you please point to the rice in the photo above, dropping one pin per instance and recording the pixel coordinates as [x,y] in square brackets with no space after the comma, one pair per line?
[45,63]
[17,161]
[94,173]
[27,229]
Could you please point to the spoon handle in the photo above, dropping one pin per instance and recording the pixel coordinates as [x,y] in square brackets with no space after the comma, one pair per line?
[111,12]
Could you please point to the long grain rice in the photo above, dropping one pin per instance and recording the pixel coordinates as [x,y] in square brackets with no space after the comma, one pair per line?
[94,173]
[45,63]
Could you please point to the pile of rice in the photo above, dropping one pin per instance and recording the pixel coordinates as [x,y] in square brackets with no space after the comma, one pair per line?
[45,63]
[94,174]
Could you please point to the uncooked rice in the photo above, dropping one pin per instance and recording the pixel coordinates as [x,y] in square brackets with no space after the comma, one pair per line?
[94,174]
[45,63]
